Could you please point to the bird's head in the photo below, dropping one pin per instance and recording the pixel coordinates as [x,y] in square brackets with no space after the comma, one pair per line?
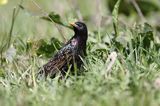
[80,29]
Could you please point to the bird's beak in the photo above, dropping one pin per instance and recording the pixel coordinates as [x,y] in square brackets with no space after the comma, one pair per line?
[73,25]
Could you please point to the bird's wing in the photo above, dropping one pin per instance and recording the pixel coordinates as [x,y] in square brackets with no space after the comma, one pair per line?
[63,57]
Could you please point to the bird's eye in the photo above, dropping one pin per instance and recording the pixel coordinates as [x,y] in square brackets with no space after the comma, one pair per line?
[80,26]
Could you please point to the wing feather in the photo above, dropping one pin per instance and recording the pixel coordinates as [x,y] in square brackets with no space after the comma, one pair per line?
[63,57]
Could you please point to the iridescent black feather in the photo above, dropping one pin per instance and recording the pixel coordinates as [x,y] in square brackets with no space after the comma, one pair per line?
[70,54]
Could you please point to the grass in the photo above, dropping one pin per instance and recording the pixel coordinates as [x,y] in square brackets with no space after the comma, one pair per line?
[132,81]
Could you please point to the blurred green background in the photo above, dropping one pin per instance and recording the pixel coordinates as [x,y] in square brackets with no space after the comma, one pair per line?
[94,12]
[134,79]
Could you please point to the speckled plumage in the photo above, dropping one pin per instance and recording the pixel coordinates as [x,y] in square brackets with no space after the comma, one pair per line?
[70,54]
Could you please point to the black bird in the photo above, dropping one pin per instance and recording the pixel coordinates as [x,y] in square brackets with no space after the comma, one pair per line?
[70,54]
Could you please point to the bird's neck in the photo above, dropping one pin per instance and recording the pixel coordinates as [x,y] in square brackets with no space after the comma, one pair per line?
[81,39]
[82,35]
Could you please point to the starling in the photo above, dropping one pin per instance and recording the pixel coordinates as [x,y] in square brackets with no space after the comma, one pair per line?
[70,54]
